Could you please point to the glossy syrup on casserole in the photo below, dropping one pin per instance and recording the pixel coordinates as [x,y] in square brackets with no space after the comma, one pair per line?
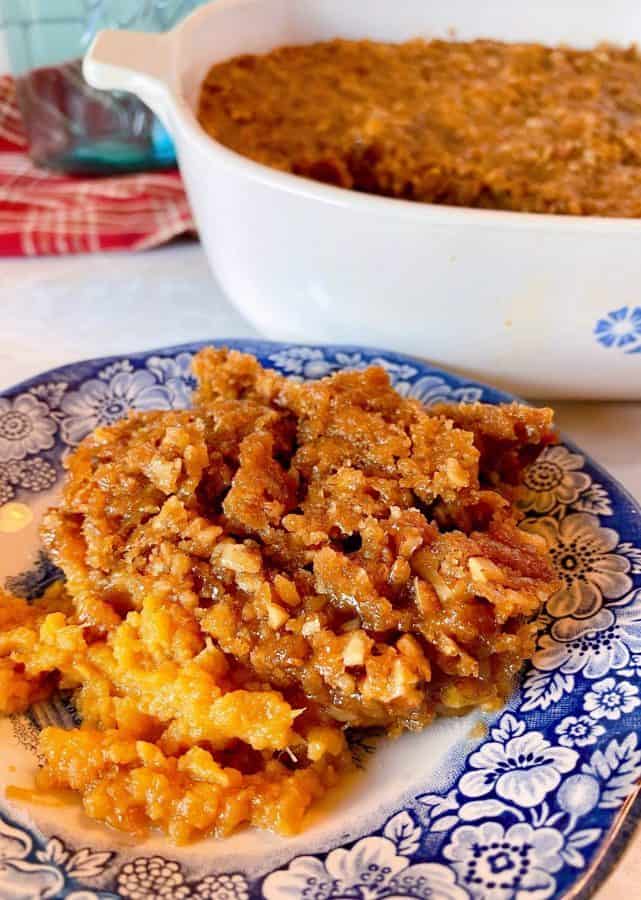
[249,580]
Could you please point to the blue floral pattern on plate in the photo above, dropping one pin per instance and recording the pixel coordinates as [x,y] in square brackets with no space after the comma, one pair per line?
[527,812]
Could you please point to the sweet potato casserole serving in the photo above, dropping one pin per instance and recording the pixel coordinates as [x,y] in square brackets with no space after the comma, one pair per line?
[483,123]
[249,579]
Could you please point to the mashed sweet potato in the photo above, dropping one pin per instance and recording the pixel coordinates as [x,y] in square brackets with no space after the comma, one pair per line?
[248,579]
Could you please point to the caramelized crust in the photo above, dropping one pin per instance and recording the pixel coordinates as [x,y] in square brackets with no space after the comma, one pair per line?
[482,123]
[246,578]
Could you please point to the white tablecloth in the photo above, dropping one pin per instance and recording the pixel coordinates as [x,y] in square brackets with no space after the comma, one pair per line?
[57,310]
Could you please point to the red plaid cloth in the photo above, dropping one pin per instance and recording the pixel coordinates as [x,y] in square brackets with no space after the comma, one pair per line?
[43,212]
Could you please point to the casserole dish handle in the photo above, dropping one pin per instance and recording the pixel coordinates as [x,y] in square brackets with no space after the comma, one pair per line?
[133,61]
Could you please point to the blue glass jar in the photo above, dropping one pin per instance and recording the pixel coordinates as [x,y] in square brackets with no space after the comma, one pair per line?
[70,126]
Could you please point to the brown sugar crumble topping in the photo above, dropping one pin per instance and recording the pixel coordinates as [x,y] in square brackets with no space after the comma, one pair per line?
[248,579]
[485,124]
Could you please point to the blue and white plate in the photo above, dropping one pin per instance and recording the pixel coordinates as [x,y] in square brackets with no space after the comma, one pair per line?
[526,804]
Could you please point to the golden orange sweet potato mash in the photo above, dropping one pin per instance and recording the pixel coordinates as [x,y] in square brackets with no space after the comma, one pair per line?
[247,580]
[482,123]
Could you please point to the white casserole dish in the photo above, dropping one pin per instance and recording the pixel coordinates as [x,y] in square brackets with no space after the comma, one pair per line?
[543,305]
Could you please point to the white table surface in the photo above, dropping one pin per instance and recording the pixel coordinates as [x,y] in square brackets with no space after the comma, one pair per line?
[57,310]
